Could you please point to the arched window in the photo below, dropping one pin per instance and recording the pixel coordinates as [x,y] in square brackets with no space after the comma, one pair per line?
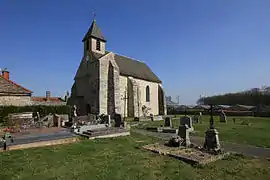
[147,94]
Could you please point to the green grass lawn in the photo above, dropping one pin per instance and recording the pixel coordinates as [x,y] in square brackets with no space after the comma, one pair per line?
[120,158]
[257,134]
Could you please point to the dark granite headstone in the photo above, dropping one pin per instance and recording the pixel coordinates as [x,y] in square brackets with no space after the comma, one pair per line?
[186,120]
[118,120]
[168,122]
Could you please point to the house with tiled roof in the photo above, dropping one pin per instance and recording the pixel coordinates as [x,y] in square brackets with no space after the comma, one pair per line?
[12,93]
[108,83]
[48,100]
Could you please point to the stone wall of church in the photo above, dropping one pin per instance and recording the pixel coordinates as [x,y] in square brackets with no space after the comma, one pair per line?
[93,46]
[92,91]
[105,90]
[86,96]
[123,82]
[153,104]
[138,88]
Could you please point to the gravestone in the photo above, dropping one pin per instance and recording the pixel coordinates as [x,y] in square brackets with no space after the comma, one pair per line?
[200,117]
[211,140]
[168,122]
[157,118]
[118,120]
[183,132]
[195,119]
[222,117]
[186,120]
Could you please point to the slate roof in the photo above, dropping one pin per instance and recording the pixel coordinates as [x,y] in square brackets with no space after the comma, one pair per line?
[8,86]
[131,67]
[94,31]
[127,67]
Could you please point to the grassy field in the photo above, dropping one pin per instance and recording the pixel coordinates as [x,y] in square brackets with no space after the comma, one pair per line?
[120,158]
[258,133]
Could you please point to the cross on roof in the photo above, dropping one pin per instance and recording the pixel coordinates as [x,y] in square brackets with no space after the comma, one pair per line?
[94,15]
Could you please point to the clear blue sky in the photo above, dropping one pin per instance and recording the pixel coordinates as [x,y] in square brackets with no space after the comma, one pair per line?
[195,47]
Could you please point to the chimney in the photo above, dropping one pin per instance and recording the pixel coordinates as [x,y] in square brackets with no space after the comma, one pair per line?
[5,73]
[48,94]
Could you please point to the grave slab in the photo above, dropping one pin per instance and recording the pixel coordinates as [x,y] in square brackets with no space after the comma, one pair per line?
[189,155]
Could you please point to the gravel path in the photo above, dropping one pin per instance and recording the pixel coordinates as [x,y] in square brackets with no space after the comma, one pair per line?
[246,150]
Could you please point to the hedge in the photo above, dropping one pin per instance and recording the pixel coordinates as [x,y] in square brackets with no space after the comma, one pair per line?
[43,110]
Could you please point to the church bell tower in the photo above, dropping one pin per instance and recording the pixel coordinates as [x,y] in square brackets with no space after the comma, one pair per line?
[94,40]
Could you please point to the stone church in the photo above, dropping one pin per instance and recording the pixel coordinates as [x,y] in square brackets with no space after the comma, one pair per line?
[109,83]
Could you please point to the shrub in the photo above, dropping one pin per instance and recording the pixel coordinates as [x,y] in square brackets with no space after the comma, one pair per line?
[43,110]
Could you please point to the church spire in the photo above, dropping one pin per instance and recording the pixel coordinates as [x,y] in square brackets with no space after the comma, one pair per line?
[94,31]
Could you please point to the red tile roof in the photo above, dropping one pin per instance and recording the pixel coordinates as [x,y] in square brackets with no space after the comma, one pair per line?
[44,99]
[9,86]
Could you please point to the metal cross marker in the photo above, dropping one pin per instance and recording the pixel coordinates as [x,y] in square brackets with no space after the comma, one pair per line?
[211,117]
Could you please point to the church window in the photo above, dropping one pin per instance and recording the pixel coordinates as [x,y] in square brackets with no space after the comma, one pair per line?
[147,93]
[98,45]
[87,45]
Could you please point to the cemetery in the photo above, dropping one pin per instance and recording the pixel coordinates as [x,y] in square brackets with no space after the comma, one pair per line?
[238,129]
[26,130]
[180,146]
[118,157]
[67,146]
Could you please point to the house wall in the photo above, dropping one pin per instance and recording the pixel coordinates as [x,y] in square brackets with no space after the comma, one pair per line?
[15,100]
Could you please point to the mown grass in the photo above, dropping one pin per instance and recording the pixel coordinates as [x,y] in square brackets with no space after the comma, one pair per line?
[258,133]
[120,158]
